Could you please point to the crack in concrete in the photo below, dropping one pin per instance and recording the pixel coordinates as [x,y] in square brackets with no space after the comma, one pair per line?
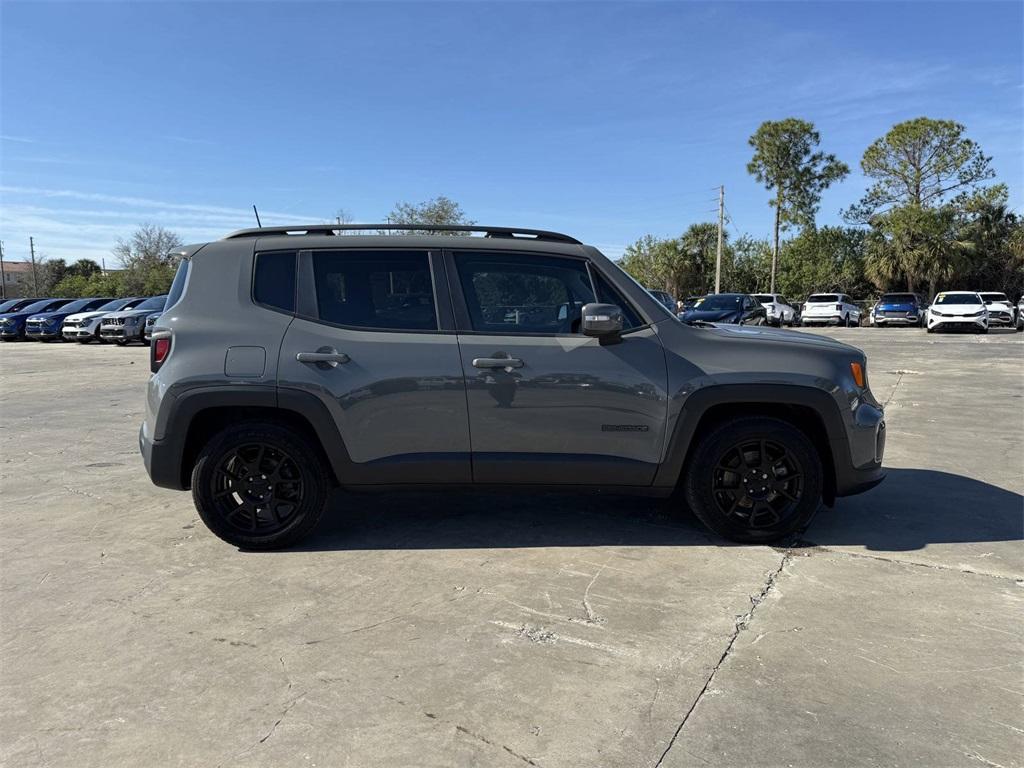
[742,623]
[524,758]
[892,394]
[804,544]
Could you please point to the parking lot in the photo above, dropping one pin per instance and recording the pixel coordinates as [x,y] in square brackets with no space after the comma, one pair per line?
[501,630]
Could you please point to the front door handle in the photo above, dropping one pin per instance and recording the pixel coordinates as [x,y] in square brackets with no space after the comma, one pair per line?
[325,357]
[497,362]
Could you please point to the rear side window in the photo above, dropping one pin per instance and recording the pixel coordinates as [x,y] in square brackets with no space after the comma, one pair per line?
[178,284]
[385,290]
[273,282]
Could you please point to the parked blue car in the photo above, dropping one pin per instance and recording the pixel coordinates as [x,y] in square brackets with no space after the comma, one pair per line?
[12,323]
[44,326]
[13,305]
[899,309]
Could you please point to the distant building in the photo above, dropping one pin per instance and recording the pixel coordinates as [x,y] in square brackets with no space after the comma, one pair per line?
[17,279]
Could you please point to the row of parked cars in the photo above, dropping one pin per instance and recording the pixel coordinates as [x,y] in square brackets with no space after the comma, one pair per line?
[99,319]
[950,310]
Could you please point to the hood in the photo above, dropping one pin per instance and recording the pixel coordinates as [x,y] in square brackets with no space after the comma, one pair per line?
[54,315]
[80,316]
[957,309]
[710,315]
[19,315]
[125,313]
[766,333]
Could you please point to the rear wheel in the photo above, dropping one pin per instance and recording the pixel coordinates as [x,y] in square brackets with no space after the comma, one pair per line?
[259,486]
[754,479]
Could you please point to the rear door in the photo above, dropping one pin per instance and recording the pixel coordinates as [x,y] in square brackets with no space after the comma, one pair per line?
[375,342]
[564,408]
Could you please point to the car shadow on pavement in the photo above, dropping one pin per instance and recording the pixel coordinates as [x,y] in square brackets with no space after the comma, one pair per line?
[909,510]
[913,508]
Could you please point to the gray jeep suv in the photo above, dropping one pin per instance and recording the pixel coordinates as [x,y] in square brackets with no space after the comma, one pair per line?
[292,360]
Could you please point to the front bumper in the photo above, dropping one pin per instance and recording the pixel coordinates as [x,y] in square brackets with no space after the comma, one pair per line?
[904,320]
[859,466]
[957,323]
[119,332]
[10,332]
[1000,319]
[42,334]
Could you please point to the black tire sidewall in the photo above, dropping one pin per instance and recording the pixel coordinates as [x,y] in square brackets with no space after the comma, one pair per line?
[316,485]
[698,477]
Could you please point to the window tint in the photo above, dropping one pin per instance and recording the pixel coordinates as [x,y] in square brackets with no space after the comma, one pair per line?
[178,284]
[606,294]
[273,281]
[390,290]
[518,293]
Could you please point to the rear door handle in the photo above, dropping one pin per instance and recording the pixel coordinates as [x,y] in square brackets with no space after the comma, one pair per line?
[497,362]
[325,357]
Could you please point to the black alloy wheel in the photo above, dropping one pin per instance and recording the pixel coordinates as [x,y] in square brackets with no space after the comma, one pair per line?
[754,479]
[757,482]
[260,486]
[256,488]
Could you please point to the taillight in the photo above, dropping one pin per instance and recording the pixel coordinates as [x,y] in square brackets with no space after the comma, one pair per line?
[839,307]
[159,349]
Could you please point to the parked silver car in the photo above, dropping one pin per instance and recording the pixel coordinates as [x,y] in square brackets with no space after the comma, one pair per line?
[1000,309]
[129,325]
[85,326]
[290,360]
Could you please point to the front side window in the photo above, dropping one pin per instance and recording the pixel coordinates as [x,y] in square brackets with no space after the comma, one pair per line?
[386,290]
[516,293]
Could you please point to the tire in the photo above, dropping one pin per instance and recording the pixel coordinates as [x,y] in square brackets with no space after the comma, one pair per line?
[145,341]
[929,329]
[232,514]
[84,341]
[716,494]
[120,342]
[984,330]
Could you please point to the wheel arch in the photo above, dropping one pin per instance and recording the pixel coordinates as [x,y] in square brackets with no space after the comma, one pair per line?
[812,411]
[198,415]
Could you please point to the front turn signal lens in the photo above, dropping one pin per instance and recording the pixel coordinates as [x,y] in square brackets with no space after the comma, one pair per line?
[858,374]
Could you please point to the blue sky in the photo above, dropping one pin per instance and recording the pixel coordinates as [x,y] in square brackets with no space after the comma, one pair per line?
[606,120]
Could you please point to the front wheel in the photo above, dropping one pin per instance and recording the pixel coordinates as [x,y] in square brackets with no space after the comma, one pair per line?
[754,480]
[260,486]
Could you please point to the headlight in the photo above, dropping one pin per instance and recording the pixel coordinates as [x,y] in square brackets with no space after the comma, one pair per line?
[979,314]
[936,313]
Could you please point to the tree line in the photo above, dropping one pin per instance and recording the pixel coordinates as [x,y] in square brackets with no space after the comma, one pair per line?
[929,220]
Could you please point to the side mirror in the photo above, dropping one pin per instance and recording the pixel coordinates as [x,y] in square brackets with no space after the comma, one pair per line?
[601,320]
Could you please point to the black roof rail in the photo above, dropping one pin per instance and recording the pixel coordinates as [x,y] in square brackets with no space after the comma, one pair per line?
[330,229]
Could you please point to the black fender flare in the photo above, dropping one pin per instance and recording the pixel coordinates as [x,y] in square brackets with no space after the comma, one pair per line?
[702,400]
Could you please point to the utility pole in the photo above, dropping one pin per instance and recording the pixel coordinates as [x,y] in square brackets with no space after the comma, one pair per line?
[721,237]
[35,277]
[3,277]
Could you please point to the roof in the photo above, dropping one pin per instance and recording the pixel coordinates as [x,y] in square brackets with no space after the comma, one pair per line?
[505,233]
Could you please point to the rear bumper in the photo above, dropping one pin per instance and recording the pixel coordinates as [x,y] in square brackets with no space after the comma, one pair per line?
[163,461]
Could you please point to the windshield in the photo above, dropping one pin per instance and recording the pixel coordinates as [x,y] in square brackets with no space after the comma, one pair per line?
[114,305]
[994,297]
[823,298]
[718,303]
[13,305]
[898,298]
[958,298]
[78,306]
[45,305]
[157,302]
[764,298]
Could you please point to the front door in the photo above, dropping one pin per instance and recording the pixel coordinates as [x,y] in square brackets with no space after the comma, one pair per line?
[369,342]
[548,405]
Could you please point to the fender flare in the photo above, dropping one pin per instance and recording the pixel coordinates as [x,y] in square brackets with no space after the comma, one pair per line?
[701,401]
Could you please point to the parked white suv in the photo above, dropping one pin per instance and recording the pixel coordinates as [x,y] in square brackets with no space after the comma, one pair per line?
[780,311]
[1000,310]
[958,310]
[830,309]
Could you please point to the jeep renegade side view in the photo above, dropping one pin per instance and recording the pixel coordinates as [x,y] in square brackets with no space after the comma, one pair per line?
[292,360]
